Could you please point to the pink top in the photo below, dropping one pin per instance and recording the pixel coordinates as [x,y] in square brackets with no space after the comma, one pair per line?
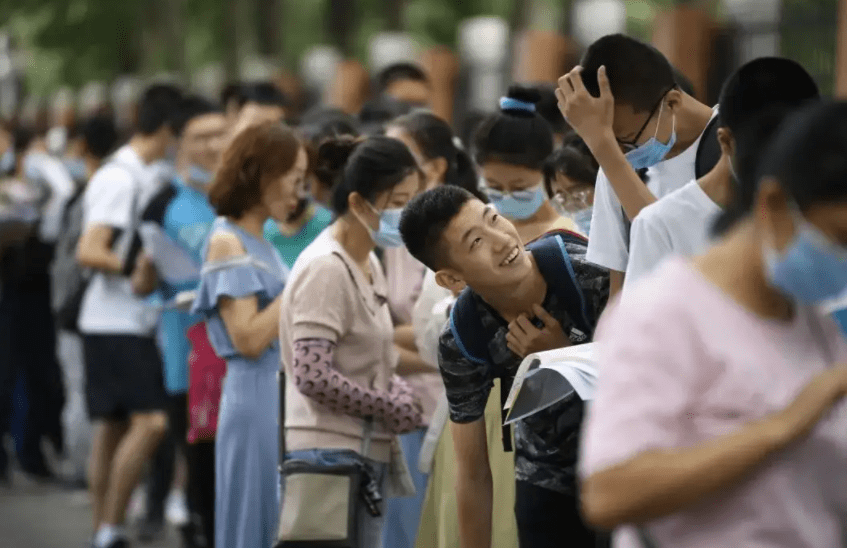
[405,276]
[681,363]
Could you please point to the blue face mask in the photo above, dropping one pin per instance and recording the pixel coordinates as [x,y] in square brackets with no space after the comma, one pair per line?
[76,169]
[519,205]
[388,233]
[582,218]
[652,152]
[811,269]
[7,161]
[32,166]
[198,175]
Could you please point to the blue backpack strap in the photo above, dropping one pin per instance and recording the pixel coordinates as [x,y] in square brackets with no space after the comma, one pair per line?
[472,339]
[555,265]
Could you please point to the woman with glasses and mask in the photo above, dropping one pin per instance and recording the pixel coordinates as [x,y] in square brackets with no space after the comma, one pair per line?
[510,148]
[569,177]
[718,418]
[344,402]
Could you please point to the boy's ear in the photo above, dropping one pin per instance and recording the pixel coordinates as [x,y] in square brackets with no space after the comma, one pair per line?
[450,279]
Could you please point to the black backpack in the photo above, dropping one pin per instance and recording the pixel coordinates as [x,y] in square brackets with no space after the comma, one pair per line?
[556,265]
[708,155]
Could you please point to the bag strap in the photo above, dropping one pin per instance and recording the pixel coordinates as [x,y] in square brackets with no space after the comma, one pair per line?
[281,380]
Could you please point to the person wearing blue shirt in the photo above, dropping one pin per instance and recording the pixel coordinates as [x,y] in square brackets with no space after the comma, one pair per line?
[302,227]
[181,215]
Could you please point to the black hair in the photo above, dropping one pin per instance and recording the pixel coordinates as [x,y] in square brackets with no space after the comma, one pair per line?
[436,140]
[761,83]
[22,136]
[574,160]
[323,123]
[190,108]
[398,72]
[808,155]
[753,104]
[424,220]
[100,135]
[682,81]
[262,93]
[638,73]
[376,113]
[515,136]
[548,108]
[368,166]
[159,106]
[232,92]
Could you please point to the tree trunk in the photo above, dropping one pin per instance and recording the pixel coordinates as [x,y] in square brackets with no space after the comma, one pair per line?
[341,25]
[268,17]
[230,35]
[394,11]
[174,30]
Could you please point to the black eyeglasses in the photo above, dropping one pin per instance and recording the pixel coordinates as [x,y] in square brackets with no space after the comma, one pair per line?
[633,144]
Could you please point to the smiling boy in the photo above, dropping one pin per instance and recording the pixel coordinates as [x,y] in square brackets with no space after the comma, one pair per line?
[518,300]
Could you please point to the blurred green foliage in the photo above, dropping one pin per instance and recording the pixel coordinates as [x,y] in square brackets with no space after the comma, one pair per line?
[70,42]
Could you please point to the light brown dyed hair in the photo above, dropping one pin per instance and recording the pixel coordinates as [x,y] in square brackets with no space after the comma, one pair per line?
[257,156]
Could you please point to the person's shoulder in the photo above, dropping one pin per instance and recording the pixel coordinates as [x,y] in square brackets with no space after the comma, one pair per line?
[668,289]
[323,216]
[224,245]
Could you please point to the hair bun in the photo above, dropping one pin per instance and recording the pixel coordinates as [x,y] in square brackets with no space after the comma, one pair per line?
[525,94]
[334,152]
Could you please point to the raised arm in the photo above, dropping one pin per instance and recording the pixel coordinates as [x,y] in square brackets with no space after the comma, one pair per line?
[592,117]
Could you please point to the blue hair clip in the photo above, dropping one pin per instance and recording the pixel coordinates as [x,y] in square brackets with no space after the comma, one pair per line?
[509,103]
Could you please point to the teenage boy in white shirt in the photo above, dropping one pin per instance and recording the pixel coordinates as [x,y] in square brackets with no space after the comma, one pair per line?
[125,391]
[625,104]
[754,101]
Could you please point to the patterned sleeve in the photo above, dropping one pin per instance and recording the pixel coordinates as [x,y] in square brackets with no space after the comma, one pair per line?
[467,383]
[315,378]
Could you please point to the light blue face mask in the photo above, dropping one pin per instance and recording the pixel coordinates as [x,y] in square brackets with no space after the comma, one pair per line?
[76,169]
[652,152]
[582,218]
[198,175]
[388,233]
[519,205]
[7,161]
[812,269]
[32,166]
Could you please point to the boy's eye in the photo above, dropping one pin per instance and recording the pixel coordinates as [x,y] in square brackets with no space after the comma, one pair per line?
[476,242]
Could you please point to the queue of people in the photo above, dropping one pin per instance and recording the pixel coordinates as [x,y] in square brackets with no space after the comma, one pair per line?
[321,319]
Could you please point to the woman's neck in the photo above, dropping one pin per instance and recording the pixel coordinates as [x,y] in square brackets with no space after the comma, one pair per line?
[691,119]
[737,267]
[252,222]
[354,238]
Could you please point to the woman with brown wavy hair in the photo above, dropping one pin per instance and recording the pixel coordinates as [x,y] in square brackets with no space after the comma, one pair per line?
[262,175]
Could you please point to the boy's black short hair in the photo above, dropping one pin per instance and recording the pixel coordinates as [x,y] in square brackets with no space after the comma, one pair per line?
[763,83]
[262,93]
[424,220]
[159,106]
[638,73]
[100,135]
[754,102]
[190,108]
[398,72]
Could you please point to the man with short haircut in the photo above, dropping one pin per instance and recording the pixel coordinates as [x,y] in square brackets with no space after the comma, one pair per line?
[407,83]
[182,215]
[754,101]
[125,392]
[625,104]
[518,301]
[266,101]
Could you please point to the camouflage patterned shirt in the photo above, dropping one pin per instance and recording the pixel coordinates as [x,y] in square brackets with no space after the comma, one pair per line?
[545,443]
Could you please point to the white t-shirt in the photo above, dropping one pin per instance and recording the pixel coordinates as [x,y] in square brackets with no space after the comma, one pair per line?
[607,245]
[678,224]
[110,307]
